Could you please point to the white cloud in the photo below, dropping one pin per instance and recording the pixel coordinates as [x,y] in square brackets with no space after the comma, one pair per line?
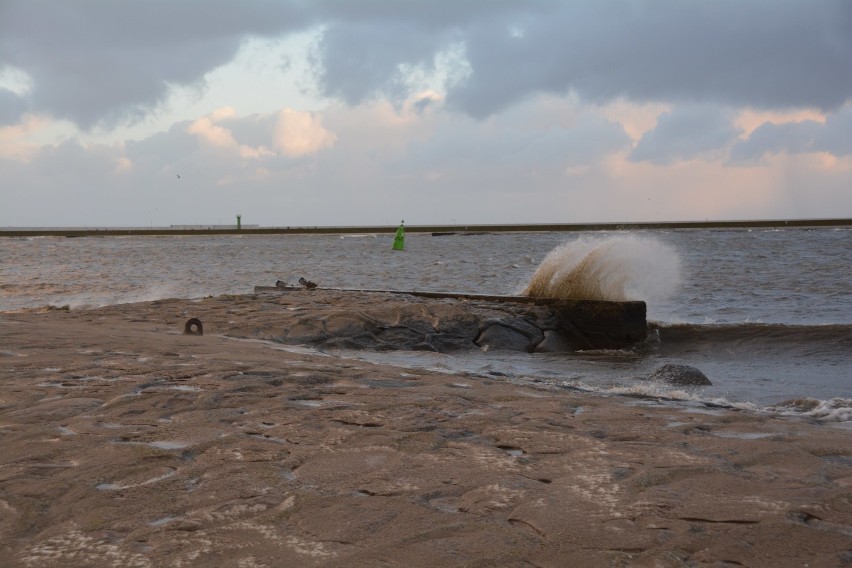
[301,133]
[15,80]
[209,130]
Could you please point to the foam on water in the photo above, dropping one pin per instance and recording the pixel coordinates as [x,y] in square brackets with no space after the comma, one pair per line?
[628,267]
[835,410]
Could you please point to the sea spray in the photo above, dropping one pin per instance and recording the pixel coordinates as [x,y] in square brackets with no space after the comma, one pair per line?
[618,268]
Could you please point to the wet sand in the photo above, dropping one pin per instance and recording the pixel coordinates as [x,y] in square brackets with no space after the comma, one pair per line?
[127,443]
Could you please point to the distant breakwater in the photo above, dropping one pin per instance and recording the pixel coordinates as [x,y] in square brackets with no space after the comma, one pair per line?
[445,229]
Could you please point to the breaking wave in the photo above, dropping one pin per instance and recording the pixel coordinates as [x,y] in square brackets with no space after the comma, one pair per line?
[614,268]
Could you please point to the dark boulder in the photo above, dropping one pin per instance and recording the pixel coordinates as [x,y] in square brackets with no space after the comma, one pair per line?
[502,337]
[680,375]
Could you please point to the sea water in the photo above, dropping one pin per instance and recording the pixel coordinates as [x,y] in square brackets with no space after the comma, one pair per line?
[766,314]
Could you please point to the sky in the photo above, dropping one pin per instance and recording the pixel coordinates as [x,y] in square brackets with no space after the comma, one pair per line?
[366,112]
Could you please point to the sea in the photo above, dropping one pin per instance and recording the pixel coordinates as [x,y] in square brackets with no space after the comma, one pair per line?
[765,314]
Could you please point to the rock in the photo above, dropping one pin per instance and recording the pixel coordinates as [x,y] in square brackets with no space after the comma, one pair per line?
[459,325]
[680,375]
[554,342]
[400,338]
[443,343]
[499,336]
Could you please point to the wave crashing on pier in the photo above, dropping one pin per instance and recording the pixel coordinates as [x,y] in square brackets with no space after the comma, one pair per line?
[618,268]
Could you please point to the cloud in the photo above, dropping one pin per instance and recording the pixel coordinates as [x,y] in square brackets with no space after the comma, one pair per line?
[288,133]
[104,63]
[217,136]
[14,139]
[499,148]
[650,52]
[12,107]
[798,137]
[547,160]
[301,133]
[164,147]
[686,133]
[223,148]
[835,136]
[792,137]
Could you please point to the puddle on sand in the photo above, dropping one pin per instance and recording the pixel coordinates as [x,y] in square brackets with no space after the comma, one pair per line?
[267,438]
[389,383]
[119,486]
[746,435]
[11,354]
[310,403]
[186,388]
[161,444]
[169,445]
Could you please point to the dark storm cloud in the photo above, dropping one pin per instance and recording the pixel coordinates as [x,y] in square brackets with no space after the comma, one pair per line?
[686,133]
[92,60]
[360,61]
[766,54]
[762,53]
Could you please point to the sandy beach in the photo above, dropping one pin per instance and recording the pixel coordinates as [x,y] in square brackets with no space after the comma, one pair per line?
[127,443]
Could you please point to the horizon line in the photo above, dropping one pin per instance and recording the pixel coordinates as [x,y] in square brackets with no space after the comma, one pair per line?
[215,229]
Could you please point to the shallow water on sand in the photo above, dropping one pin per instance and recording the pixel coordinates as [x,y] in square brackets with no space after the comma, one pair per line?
[766,314]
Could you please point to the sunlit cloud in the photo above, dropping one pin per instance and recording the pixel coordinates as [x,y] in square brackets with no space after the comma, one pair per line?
[123,164]
[207,129]
[301,133]
[636,119]
[16,140]
[748,120]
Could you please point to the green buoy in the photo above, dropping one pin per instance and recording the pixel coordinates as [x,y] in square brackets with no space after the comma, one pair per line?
[399,239]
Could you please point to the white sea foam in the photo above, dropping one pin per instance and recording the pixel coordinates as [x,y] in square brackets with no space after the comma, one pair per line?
[834,410]
[127,295]
[627,267]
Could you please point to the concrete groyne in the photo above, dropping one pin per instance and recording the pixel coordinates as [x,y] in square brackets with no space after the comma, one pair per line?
[447,321]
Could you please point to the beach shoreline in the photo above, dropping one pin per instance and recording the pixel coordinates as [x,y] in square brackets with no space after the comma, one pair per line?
[129,443]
